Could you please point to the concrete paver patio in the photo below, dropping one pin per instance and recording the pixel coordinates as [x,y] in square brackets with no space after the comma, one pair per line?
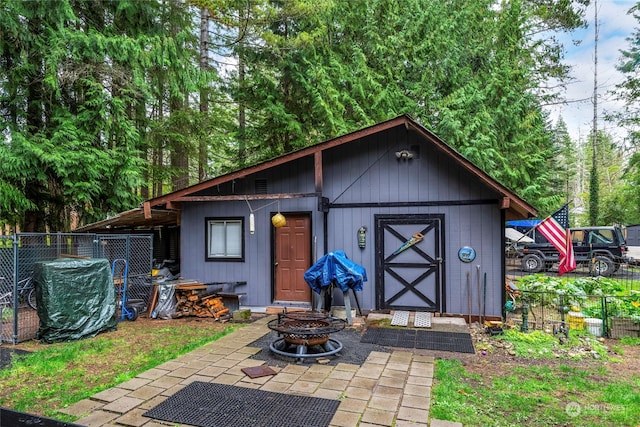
[387,389]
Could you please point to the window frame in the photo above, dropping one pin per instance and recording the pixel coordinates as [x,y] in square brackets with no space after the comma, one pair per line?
[207,241]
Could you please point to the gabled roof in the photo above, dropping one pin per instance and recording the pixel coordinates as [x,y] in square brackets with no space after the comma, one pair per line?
[516,207]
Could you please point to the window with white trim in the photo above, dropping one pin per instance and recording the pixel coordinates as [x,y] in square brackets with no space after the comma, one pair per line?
[225,239]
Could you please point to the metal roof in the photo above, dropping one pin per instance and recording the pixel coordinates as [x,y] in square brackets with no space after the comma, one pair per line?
[134,219]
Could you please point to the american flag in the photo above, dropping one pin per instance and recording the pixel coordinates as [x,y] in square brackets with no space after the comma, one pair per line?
[562,216]
[568,262]
[560,237]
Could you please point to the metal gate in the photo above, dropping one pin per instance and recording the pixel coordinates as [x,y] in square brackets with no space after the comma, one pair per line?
[409,273]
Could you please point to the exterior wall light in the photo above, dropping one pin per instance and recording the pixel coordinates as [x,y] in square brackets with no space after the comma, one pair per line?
[404,155]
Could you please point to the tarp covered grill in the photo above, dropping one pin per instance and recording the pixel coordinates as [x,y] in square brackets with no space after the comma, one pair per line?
[76,299]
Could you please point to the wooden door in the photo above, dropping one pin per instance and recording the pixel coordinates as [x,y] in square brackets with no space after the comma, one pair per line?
[410,278]
[292,258]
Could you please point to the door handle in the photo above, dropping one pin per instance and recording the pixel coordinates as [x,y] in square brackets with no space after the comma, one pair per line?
[275,264]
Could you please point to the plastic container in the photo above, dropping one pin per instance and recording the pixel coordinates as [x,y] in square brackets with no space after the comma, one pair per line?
[594,326]
[341,312]
[576,320]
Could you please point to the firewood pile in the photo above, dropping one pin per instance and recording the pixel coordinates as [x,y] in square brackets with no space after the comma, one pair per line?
[192,300]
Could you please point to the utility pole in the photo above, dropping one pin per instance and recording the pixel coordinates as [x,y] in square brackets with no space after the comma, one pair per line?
[204,92]
[594,191]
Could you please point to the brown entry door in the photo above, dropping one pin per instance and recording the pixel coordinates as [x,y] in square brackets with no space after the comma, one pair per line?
[292,259]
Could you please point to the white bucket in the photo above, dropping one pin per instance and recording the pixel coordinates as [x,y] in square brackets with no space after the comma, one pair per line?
[341,312]
[594,326]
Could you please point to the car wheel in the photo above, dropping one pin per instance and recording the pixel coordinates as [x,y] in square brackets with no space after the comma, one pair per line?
[532,263]
[603,266]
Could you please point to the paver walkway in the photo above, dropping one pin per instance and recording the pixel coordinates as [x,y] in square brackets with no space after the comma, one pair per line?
[388,388]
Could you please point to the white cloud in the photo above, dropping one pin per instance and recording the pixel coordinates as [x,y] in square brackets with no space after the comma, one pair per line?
[615,25]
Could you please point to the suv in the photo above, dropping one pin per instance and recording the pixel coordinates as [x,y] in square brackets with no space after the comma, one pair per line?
[606,246]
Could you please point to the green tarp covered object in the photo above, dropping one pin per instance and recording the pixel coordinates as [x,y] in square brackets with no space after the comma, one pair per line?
[76,299]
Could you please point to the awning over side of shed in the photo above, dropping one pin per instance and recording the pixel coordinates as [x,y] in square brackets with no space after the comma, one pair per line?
[134,219]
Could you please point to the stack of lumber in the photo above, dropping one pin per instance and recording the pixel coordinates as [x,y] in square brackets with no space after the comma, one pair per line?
[192,300]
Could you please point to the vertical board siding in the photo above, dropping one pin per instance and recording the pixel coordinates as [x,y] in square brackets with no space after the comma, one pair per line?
[364,172]
[256,269]
[476,226]
[378,176]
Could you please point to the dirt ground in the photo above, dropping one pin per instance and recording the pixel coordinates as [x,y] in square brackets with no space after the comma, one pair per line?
[625,358]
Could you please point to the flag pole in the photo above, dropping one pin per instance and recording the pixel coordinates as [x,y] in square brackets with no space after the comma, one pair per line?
[535,226]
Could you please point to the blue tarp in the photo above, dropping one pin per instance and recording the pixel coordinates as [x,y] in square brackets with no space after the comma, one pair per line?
[335,268]
[525,223]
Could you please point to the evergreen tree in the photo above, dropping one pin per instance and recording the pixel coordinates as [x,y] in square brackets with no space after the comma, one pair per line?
[564,160]
[614,208]
[315,72]
[120,87]
[67,143]
[629,118]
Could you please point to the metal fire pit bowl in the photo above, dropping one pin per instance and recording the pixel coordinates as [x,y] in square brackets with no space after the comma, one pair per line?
[301,332]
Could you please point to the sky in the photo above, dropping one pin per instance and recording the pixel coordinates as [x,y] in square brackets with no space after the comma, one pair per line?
[615,26]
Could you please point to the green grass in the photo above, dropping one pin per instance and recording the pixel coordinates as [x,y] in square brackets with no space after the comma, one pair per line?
[533,396]
[538,344]
[58,375]
[535,392]
[630,340]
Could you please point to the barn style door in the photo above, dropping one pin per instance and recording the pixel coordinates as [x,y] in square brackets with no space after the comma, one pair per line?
[409,265]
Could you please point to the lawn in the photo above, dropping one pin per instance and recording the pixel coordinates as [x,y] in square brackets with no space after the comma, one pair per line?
[537,382]
[512,380]
[56,375]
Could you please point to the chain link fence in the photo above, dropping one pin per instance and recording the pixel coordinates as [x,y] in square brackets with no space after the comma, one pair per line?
[601,316]
[20,253]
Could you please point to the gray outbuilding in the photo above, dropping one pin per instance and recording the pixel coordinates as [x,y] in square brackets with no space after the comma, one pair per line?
[365,193]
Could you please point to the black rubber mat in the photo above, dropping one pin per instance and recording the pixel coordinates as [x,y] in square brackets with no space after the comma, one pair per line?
[8,354]
[426,340]
[9,417]
[221,405]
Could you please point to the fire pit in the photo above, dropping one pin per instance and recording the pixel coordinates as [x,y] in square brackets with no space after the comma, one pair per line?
[303,333]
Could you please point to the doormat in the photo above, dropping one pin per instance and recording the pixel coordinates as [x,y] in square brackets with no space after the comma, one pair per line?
[10,417]
[222,405]
[424,340]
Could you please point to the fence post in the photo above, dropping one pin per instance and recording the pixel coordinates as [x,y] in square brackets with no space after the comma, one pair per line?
[15,290]
[525,313]
[605,316]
